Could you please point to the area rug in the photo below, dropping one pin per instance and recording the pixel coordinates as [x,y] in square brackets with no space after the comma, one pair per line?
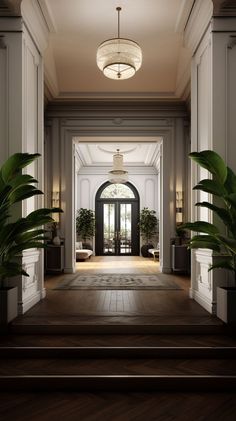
[118,281]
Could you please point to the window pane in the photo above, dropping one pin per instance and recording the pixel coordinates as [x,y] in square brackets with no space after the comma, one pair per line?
[117,191]
[109,228]
[125,228]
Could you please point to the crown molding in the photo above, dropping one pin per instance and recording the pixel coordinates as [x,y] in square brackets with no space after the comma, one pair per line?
[197,24]
[183,15]
[48,15]
[36,23]
[50,83]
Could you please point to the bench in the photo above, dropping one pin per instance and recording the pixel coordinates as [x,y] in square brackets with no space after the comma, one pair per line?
[155,253]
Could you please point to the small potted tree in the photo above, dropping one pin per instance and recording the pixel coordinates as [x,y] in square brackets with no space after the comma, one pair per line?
[85,226]
[222,242]
[21,234]
[148,224]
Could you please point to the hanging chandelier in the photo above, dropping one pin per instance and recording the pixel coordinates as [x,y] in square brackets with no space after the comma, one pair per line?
[118,174]
[119,58]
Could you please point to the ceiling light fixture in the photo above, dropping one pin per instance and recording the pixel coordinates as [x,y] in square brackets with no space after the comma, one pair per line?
[118,174]
[119,58]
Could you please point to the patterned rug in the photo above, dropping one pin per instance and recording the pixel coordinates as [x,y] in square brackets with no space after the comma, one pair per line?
[118,281]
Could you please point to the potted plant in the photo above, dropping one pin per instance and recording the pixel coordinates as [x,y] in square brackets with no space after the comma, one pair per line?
[85,225]
[21,234]
[222,187]
[148,224]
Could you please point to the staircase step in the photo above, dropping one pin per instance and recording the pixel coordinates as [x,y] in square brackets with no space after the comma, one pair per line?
[117,366]
[115,383]
[118,329]
[22,340]
[118,352]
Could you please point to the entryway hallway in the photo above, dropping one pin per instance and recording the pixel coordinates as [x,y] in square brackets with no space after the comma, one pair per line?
[116,308]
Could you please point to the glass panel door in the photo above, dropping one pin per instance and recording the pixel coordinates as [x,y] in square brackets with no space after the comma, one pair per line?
[125,232]
[109,232]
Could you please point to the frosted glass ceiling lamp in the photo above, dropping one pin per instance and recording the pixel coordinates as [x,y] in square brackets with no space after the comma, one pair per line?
[119,58]
[118,174]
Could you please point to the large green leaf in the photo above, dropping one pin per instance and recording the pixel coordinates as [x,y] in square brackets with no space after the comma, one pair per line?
[211,161]
[205,241]
[229,243]
[201,226]
[211,186]
[23,192]
[230,183]
[204,245]
[22,179]
[10,269]
[15,163]
[223,213]
[223,264]
[231,198]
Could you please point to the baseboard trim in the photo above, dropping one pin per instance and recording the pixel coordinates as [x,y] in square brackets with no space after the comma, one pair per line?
[203,301]
[165,270]
[29,302]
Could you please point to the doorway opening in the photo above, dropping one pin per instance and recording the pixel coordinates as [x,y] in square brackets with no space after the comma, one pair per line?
[117,216]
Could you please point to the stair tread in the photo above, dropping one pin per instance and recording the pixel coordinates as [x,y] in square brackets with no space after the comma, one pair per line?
[117,340]
[117,366]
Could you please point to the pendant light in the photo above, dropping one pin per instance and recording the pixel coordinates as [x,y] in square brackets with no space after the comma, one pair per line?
[119,58]
[118,174]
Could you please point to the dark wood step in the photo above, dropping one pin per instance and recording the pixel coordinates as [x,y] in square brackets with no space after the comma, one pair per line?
[117,340]
[118,329]
[111,383]
[181,352]
[117,366]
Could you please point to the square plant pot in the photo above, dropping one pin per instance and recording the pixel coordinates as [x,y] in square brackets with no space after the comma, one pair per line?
[226,304]
[8,304]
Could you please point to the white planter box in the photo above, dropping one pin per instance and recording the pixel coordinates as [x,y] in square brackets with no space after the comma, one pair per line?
[8,304]
[226,304]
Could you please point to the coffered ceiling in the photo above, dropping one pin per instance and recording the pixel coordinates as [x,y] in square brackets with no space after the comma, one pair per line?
[77,27]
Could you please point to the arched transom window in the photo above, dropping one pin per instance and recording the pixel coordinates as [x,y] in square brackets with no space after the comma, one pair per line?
[117,191]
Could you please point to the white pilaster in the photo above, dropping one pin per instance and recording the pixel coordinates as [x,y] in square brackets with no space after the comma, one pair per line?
[21,106]
[213,96]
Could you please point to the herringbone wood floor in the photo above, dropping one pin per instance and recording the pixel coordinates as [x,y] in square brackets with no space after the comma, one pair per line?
[118,407]
[148,306]
[153,306]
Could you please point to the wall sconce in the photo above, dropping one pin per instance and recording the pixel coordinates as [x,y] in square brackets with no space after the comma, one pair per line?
[56,204]
[179,207]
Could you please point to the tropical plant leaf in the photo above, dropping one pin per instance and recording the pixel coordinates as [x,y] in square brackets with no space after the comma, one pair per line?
[221,212]
[10,268]
[223,264]
[23,192]
[228,242]
[211,186]
[212,162]
[231,198]
[21,180]
[17,249]
[205,241]
[15,163]
[201,226]
[230,182]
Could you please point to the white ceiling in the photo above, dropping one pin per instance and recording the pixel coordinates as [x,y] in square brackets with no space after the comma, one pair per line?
[101,154]
[77,27]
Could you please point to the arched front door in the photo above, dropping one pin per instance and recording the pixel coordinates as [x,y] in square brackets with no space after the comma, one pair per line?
[117,215]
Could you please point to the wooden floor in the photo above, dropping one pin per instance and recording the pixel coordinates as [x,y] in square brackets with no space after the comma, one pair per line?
[130,308]
[123,306]
[117,407]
